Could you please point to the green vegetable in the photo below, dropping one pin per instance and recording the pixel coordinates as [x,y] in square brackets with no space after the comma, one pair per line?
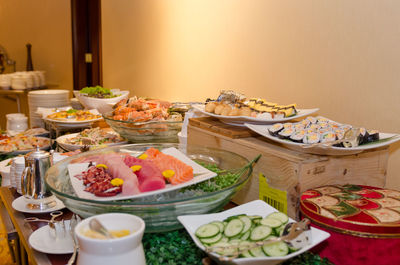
[98,92]
[70,111]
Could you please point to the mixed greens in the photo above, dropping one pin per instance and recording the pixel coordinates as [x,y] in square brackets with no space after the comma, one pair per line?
[98,92]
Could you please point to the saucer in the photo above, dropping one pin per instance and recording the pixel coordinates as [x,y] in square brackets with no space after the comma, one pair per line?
[41,240]
[20,203]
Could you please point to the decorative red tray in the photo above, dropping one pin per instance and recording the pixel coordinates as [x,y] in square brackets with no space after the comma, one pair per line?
[354,209]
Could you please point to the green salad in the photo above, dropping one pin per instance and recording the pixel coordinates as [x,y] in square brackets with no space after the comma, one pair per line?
[98,92]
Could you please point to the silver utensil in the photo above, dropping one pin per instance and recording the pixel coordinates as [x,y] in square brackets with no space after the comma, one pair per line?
[72,224]
[296,235]
[57,228]
[95,225]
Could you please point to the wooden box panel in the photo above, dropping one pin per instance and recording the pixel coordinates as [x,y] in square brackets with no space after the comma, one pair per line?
[292,171]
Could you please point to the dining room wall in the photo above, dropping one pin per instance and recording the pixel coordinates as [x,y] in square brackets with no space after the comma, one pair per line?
[341,56]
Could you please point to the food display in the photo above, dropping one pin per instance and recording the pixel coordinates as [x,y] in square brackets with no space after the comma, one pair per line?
[313,130]
[73,115]
[230,103]
[98,92]
[146,120]
[143,110]
[94,136]
[22,142]
[226,236]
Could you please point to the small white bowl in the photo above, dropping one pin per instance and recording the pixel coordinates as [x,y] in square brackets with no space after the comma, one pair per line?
[123,250]
[103,105]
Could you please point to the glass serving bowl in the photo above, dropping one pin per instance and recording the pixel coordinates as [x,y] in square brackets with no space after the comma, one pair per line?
[159,211]
[150,131]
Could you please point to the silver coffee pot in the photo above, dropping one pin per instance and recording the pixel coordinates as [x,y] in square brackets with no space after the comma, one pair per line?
[33,185]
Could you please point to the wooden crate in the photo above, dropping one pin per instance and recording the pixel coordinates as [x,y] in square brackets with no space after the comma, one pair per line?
[288,172]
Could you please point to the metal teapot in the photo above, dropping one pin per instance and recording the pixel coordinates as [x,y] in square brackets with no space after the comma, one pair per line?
[33,185]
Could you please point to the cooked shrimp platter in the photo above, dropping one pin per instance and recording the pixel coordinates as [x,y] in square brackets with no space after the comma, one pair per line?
[137,109]
[119,176]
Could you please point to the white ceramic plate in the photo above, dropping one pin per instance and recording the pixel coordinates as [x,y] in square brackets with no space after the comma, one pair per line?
[257,207]
[42,241]
[25,151]
[103,105]
[324,150]
[19,204]
[200,174]
[240,120]
[72,147]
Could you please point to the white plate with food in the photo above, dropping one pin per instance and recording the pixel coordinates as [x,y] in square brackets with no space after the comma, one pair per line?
[42,240]
[289,141]
[20,205]
[95,137]
[240,120]
[103,177]
[72,118]
[21,144]
[253,210]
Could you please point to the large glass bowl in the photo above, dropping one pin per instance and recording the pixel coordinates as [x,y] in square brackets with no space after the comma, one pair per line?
[158,211]
[150,131]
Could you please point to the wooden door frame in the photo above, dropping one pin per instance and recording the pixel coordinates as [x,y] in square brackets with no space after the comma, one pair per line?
[86,41]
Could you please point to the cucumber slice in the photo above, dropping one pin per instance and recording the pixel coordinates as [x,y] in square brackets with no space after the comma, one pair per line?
[255,217]
[271,222]
[234,227]
[280,216]
[247,223]
[277,249]
[260,232]
[235,241]
[207,230]
[245,236]
[219,224]
[257,252]
[211,240]
[224,250]
[233,217]
[224,239]
[246,254]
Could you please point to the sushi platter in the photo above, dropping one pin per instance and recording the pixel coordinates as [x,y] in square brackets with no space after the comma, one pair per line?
[200,174]
[316,135]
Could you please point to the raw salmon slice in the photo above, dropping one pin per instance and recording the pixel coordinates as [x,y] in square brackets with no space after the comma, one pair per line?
[182,172]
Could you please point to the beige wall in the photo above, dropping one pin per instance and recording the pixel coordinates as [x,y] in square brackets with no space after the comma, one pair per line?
[46,24]
[341,56]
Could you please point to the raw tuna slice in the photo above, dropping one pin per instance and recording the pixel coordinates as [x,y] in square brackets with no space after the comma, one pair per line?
[118,169]
[181,171]
[149,176]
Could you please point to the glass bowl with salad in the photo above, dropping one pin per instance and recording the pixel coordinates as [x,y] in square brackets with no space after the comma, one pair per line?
[160,210]
[100,98]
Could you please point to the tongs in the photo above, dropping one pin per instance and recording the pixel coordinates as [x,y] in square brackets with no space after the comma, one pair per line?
[296,235]
[56,227]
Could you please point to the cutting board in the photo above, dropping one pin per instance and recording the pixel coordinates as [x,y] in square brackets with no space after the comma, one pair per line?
[216,126]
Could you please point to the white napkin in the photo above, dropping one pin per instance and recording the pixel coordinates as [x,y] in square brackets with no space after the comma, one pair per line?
[192,113]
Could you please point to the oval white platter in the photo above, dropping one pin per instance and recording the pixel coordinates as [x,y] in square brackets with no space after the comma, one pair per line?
[388,138]
[72,147]
[240,120]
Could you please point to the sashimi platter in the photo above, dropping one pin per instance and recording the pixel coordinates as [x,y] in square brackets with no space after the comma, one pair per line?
[121,176]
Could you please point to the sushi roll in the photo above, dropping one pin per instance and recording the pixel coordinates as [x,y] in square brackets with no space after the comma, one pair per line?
[298,126]
[373,135]
[305,122]
[286,133]
[323,125]
[298,136]
[287,125]
[312,119]
[363,138]
[322,120]
[311,138]
[275,129]
[328,136]
[314,127]
[278,115]
[339,133]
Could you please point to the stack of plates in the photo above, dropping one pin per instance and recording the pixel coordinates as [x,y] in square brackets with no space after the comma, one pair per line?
[50,98]
[17,167]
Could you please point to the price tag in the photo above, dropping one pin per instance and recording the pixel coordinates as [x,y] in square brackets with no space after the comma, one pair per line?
[274,197]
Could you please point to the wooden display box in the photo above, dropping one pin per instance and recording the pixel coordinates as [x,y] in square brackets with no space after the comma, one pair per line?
[286,170]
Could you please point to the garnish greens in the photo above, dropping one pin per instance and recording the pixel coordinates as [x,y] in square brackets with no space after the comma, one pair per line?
[98,92]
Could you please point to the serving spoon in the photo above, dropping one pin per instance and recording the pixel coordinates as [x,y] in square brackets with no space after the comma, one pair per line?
[95,225]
